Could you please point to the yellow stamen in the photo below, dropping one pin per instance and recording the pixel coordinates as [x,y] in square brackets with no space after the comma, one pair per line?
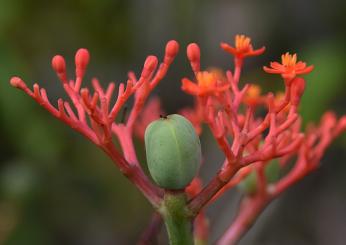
[206,79]
[289,60]
[242,42]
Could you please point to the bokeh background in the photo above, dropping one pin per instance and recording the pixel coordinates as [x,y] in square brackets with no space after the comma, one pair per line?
[57,188]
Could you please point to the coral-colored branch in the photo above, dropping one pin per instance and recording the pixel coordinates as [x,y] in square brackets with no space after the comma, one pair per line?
[250,209]
[275,144]
[309,156]
[125,138]
[135,174]
[151,80]
[101,117]
[41,98]
[207,193]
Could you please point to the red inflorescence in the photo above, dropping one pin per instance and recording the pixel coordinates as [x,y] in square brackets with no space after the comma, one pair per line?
[248,141]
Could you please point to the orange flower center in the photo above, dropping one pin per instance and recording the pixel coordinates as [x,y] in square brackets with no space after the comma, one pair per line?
[206,79]
[289,60]
[242,42]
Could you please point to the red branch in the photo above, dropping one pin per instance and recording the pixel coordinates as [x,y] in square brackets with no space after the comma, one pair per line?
[102,114]
[308,158]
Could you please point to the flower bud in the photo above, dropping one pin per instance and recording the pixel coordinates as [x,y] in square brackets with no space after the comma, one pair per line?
[194,56]
[173,151]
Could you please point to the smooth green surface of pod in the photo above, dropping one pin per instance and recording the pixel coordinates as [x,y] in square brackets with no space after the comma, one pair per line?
[173,151]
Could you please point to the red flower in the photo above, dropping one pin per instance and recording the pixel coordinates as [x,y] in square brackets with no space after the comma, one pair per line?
[243,47]
[207,84]
[289,67]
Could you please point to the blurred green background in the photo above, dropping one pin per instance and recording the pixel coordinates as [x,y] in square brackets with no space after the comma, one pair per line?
[57,188]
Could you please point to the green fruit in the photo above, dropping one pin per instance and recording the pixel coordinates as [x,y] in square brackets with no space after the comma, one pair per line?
[173,151]
[248,185]
[272,173]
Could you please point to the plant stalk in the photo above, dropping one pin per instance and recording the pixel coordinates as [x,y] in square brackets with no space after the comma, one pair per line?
[177,218]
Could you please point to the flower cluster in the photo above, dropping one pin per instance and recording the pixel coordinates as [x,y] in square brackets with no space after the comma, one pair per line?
[250,143]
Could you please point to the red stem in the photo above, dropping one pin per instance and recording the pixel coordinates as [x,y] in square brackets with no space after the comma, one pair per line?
[250,209]
[135,175]
[125,139]
[209,191]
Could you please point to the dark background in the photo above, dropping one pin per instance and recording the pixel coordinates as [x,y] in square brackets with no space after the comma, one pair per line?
[57,188]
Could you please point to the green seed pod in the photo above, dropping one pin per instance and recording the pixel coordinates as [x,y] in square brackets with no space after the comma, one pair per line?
[173,151]
[248,185]
[272,173]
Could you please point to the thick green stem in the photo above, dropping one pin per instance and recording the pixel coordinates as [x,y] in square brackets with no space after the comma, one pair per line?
[177,219]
